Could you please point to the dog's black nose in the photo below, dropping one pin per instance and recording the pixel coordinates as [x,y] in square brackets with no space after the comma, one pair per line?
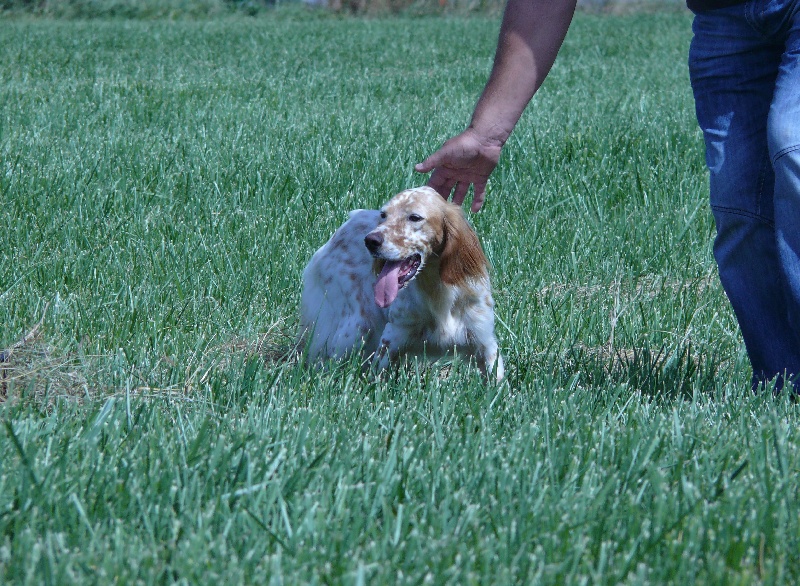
[373,241]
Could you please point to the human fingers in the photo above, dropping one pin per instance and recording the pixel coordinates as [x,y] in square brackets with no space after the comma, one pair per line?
[441,182]
[479,197]
[461,192]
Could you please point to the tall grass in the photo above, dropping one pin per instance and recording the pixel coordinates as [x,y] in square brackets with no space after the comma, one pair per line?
[191,9]
[163,185]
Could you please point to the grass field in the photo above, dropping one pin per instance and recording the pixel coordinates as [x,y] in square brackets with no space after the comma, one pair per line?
[163,185]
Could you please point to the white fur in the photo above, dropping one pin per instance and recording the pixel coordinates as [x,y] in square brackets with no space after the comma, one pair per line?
[447,306]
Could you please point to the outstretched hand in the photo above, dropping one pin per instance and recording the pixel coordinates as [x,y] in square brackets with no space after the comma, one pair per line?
[466,159]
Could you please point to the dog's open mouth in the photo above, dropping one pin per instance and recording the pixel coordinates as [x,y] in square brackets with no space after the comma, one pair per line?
[395,275]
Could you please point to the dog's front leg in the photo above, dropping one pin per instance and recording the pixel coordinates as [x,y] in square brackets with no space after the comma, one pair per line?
[393,340]
[491,362]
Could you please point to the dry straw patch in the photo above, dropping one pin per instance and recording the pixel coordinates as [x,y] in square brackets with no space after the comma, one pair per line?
[32,364]
[34,370]
[649,287]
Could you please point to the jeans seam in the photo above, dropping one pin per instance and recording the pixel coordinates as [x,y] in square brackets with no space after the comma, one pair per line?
[754,16]
[743,213]
[751,16]
[762,175]
[785,151]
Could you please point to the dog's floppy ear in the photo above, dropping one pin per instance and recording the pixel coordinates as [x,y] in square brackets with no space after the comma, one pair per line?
[462,257]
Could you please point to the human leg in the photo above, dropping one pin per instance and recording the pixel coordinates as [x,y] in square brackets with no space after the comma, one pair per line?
[783,132]
[734,69]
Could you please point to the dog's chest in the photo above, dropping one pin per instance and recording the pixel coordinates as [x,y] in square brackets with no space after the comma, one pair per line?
[436,320]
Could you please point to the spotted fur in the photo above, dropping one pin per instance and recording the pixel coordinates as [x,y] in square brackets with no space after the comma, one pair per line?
[447,305]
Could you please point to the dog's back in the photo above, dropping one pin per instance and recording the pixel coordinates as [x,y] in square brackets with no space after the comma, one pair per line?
[337,311]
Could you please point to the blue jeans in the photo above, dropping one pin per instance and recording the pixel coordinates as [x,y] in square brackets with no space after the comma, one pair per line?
[744,63]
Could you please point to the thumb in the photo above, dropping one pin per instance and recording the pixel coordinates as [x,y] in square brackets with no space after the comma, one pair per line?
[428,164]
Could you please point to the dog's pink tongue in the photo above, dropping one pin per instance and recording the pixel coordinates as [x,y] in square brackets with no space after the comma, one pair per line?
[388,284]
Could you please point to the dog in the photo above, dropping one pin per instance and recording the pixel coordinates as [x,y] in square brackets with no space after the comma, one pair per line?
[410,279]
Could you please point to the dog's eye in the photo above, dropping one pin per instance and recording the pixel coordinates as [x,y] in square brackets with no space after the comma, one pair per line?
[415,218]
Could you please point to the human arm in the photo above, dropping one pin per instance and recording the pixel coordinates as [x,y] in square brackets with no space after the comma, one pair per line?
[531,34]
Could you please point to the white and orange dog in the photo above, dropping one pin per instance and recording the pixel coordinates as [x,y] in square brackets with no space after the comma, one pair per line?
[408,279]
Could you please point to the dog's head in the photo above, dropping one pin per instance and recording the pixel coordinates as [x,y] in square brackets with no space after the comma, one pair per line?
[419,230]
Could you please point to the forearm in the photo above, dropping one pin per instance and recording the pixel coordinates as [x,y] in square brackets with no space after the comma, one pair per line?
[530,37]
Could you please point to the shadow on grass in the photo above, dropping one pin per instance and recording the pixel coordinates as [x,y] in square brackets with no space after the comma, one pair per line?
[658,373]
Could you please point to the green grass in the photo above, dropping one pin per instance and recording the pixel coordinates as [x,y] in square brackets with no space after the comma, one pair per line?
[163,185]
